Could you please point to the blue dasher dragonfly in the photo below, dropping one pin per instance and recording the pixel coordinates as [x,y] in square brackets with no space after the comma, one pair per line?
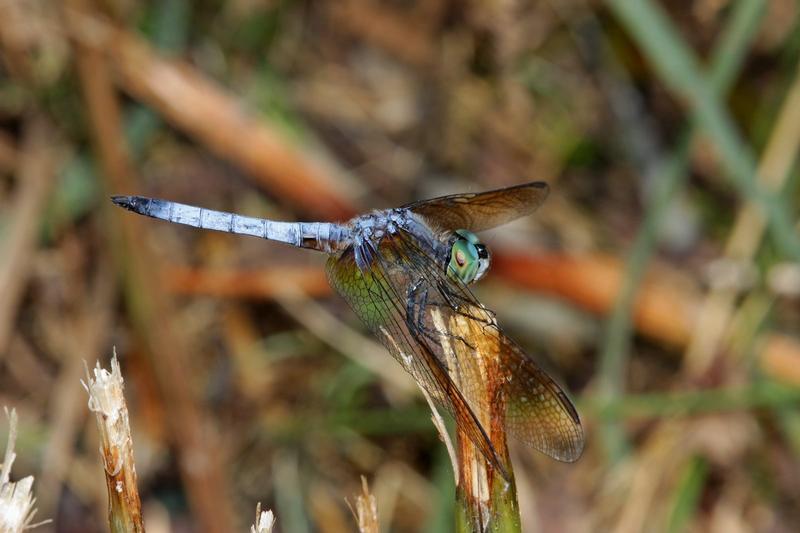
[405,272]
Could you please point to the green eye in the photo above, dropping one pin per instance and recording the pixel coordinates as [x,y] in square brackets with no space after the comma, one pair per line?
[469,259]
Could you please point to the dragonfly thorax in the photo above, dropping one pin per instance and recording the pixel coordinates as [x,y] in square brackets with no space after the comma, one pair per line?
[371,230]
[373,227]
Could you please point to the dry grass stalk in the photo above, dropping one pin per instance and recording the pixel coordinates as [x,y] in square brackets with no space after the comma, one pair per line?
[35,173]
[264,521]
[442,429]
[395,32]
[258,284]
[16,498]
[107,401]
[177,90]
[9,154]
[194,440]
[486,498]
[327,327]
[666,311]
[366,510]
[84,332]
[714,319]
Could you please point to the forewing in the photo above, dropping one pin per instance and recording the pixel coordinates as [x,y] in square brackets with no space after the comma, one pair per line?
[378,296]
[488,366]
[484,210]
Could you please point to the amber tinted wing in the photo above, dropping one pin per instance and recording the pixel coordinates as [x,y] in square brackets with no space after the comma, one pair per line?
[484,210]
[378,297]
[486,365]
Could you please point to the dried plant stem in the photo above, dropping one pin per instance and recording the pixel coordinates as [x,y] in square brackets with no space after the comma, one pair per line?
[328,328]
[198,447]
[16,499]
[442,429]
[395,32]
[265,520]
[108,403]
[177,90]
[664,310]
[35,172]
[727,57]
[661,43]
[486,499]
[9,154]
[263,283]
[84,333]
[748,231]
[366,510]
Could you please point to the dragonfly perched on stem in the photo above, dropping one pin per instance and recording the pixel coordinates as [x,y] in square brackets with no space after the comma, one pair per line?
[405,272]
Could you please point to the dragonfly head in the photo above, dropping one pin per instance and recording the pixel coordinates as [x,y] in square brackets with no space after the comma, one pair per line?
[469,258]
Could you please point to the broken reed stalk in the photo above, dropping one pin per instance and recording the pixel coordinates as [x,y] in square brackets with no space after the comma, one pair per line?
[486,501]
[108,403]
[16,499]
[265,520]
[366,511]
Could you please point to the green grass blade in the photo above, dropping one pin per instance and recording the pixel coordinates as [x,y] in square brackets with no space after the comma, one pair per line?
[726,61]
[760,395]
[676,65]
[687,494]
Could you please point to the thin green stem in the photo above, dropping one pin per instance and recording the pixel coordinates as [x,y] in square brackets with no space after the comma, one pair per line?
[659,405]
[675,63]
[687,494]
[726,62]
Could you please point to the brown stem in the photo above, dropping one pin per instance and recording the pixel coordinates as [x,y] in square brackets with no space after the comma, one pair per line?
[108,403]
[197,444]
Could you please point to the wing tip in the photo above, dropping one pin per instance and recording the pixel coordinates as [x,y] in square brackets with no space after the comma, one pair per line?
[543,186]
[573,449]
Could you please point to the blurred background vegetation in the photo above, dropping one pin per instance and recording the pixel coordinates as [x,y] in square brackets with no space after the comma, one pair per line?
[660,282]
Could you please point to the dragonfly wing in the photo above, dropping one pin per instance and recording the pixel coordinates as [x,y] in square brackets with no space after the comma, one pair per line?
[378,296]
[486,364]
[484,210]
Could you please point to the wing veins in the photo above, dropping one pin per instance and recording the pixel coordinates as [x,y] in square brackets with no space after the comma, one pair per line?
[546,439]
[437,375]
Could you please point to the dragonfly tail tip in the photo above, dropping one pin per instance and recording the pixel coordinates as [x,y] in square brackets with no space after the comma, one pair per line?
[122,201]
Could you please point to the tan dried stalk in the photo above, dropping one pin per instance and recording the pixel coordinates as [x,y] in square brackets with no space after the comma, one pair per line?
[486,500]
[16,498]
[366,510]
[265,520]
[108,403]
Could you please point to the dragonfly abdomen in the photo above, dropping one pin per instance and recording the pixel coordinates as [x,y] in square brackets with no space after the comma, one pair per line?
[322,236]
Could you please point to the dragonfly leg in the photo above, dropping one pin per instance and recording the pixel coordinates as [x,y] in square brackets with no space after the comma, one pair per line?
[416,300]
[416,305]
[457,302]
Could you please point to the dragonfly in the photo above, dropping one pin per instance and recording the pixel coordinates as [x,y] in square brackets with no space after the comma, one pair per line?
[406,273]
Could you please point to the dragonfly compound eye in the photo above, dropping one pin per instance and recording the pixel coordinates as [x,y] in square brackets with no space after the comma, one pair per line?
[484,260]
[469,259]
